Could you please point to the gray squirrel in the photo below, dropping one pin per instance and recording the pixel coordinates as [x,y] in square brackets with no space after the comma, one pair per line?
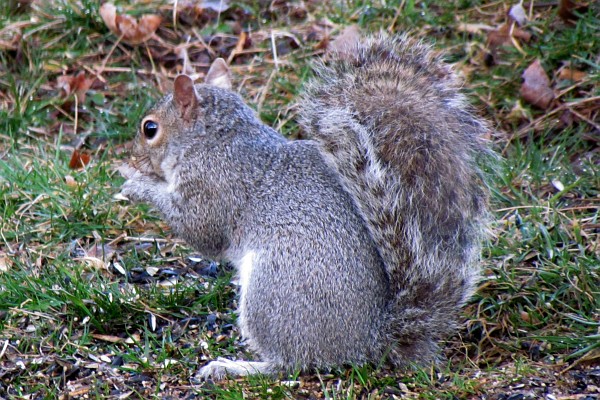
[357,246]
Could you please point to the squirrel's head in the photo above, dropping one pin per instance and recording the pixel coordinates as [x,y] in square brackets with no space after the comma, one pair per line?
[174,121]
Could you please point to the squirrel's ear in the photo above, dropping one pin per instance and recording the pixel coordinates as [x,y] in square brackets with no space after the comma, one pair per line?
[184,92]
[218,74]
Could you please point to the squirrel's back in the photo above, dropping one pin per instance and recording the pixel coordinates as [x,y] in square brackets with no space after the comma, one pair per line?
[391,119]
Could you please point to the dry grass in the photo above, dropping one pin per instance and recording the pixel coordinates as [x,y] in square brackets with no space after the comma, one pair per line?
[97,299]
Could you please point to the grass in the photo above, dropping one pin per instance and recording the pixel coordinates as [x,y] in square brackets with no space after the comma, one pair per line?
[98,299]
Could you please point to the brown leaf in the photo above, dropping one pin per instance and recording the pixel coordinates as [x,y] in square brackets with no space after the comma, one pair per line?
[77,84]
[571,74]
[102,251]
[127,27]
[79,160]
[505,35]
[567,9]
[108,338]
[108,12]
[502,36]
[536,86]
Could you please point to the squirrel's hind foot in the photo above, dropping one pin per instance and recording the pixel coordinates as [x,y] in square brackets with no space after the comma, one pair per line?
[222,367]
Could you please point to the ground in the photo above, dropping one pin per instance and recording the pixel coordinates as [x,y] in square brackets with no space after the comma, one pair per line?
[99,300]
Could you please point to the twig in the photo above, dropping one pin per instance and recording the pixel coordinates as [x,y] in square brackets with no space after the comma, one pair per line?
[239,46]
[4,348]
[274,50]
[263,93]
[586,119]
[76,113]
[398,12]
[175,14]
[150,240]
[35,313]
[110,54]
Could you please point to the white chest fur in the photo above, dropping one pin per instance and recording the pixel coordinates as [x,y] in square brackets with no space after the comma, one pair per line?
[245,268]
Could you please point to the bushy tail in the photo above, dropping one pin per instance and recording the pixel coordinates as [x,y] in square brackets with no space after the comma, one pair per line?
[392,119]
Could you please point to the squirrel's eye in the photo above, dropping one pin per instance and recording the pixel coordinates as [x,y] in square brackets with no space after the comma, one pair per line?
[150,129]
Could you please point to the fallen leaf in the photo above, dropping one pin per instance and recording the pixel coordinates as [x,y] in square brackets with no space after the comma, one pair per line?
[102,251]
[108,12]
[505,35]
[79,160]
[571,74]
[568,8]
[76,84]
[517,13]
[93,262]
[502,36]
[536,86]
[127,27]
[107,338]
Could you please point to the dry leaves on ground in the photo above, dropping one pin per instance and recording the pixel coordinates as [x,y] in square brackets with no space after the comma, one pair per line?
[77,84]
[79,159]
[127,27]
[536,86]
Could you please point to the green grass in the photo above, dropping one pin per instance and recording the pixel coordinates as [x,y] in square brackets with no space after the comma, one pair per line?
[72,323]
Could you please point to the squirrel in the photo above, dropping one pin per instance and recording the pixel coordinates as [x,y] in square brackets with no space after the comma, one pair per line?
[358,245]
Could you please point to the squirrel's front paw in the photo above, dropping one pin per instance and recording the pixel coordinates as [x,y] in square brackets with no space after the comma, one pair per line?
[139,187]
[131,190]
[127,171]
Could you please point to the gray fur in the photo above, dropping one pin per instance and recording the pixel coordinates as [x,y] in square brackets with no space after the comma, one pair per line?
[357,246]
